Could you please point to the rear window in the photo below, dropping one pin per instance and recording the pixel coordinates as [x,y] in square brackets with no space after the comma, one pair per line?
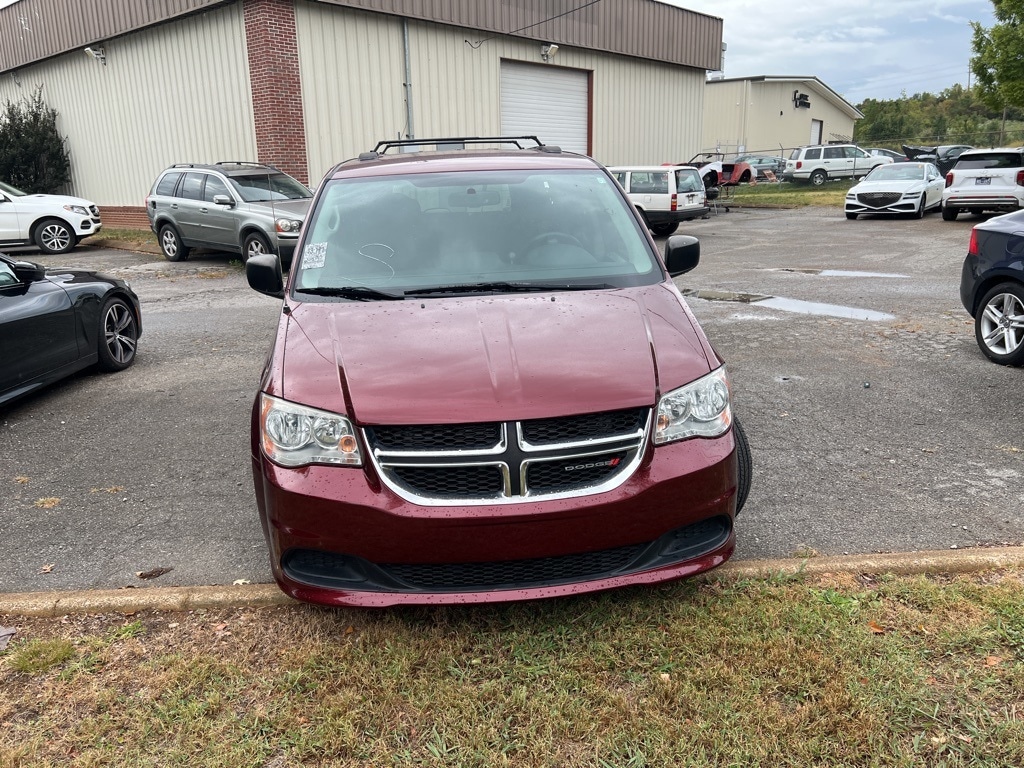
[990,160]
[168,183]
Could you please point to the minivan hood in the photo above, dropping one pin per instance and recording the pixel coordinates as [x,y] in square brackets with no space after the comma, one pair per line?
[490,358]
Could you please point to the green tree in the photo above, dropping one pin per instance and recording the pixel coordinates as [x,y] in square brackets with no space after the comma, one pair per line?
[33,155]
[998,60]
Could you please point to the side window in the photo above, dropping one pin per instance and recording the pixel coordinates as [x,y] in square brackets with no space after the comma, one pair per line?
[620,176]
[813,154]
[833,153]
[214,186]
[168,183]
[648,183]
[856,152]
[192,186]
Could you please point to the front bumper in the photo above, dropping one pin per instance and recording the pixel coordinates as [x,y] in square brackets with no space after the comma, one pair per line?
[338,536]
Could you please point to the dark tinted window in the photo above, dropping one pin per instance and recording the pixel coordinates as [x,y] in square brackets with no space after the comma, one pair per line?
[813,154]
[831,153]
[167,183]
[991,160]
[192,186]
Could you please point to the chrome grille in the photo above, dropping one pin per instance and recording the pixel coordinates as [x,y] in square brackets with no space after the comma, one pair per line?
[505,462]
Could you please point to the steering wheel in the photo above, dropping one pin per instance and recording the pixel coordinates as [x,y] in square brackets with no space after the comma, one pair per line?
[548,238]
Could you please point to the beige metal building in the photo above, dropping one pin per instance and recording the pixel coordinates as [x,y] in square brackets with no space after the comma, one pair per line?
[772,115]
[304,84]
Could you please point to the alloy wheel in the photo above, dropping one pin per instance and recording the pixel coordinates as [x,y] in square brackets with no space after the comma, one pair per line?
[1002,324]
[120,333]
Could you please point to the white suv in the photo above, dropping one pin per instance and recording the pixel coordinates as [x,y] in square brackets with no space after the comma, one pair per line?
[821,162]
[985,180]
[664,195]
[52,223]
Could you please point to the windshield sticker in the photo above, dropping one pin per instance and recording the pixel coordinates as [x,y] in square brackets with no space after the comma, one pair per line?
[314,256]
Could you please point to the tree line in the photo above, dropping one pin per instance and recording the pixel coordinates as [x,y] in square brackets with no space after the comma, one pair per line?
[956,115]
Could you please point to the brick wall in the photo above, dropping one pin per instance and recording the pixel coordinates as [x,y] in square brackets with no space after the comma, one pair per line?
[272,43]
[124,217]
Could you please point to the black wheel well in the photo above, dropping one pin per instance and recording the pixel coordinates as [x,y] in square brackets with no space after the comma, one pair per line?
[51,217]
[254,230]
[987,285]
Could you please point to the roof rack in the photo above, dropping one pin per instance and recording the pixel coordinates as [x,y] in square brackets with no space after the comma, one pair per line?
[383,146]
[245,162]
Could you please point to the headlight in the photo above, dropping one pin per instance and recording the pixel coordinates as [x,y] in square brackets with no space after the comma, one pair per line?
[79,209]
[294,435]
[288,225]
[911,195]
[700,409]
[851,196]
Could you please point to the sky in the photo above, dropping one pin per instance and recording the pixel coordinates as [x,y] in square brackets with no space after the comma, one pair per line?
[866,49]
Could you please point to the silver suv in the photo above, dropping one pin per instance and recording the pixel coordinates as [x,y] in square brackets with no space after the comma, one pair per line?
[821,162]
[244,208]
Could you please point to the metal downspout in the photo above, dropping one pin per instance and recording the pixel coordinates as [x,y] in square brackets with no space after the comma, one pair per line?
[410,131]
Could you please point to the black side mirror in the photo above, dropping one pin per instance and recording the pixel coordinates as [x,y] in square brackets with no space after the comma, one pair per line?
[264,275]
[29,272]
[682,253]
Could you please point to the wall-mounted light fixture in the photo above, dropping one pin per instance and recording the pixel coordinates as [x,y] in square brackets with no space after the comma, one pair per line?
[97,53]
[14,77]
[548,51]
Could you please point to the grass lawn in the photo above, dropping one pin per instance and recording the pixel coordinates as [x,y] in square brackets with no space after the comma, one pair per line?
[792,671]
[791,194]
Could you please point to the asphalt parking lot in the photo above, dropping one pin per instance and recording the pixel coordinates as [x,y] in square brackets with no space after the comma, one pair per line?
[876,425]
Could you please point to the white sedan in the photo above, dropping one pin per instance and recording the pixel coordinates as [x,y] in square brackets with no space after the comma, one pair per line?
[52,223]
[912,188]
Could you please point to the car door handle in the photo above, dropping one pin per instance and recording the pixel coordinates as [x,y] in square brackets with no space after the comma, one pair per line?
[204,210]
[174,206]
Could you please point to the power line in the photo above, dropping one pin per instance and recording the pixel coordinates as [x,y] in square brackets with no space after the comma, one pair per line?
[535,24]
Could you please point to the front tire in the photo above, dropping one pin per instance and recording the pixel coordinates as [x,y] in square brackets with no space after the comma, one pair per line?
[818,177]
[664,230]
[999,324]
[744,465]
[171,245]
[919,213]
[949,214]
[119,335]
[255,245]
[54,236]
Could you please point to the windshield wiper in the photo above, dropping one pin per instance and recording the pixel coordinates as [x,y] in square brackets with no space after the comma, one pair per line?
[507,287]
[357,292]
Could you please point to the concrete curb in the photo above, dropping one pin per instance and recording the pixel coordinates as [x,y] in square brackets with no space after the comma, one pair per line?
[50,604]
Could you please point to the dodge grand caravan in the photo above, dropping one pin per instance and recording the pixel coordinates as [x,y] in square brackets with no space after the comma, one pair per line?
[485,386]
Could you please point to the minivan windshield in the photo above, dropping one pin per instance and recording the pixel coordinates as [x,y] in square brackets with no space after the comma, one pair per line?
[472,231]
[264,187]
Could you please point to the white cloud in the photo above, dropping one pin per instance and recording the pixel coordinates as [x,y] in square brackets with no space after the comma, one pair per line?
[870,49]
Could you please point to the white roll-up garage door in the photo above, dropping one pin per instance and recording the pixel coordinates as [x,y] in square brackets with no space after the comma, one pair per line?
[550,103]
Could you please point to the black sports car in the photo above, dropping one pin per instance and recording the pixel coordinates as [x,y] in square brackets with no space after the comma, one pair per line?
[56,322]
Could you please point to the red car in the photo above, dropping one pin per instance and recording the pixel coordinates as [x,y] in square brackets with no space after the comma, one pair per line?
[486,387]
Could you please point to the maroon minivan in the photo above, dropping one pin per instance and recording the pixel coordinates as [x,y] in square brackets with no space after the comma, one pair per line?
[486,387]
